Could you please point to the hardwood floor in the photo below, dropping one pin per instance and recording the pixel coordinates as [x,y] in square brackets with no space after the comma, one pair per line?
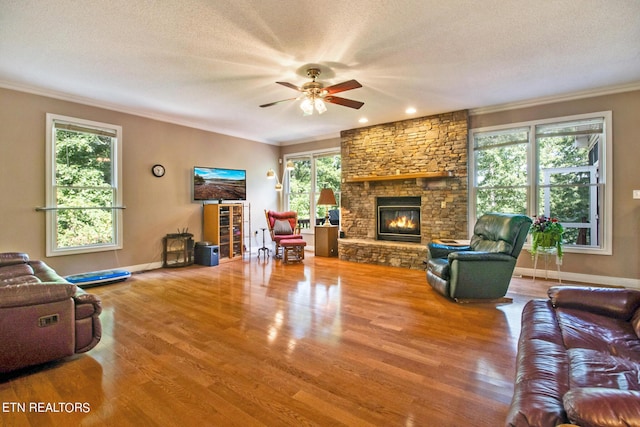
[247,343]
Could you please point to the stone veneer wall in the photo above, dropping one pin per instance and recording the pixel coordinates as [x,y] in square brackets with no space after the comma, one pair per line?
[427,144]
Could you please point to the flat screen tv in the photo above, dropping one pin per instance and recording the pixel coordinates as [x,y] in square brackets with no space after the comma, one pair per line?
[219,184]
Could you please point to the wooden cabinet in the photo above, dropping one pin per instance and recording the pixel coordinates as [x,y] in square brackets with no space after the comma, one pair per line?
[223,226]
[326,240]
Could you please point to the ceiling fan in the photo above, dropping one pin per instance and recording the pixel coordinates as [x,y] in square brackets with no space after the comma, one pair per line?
[314,94]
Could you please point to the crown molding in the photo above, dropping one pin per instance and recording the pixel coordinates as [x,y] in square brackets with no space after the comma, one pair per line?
[195,125]
[609,90]
[120,109]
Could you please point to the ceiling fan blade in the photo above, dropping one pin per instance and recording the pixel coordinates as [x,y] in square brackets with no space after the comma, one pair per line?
[344,101]
[277,102]
[290,85]
[341,87]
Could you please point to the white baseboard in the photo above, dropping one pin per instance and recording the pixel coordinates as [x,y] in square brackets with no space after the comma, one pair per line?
[143,267]
[578,277]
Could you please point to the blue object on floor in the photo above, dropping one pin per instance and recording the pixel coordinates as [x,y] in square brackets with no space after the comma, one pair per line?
[95,278]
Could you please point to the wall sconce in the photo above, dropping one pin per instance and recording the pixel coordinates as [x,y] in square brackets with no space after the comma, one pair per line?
[328,199]
[271,174]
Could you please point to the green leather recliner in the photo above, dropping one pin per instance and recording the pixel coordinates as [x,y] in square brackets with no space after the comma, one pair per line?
[483,269]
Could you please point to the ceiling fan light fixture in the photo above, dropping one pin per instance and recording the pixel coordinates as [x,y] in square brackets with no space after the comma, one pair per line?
[320,107]
[314,96]
[307,107]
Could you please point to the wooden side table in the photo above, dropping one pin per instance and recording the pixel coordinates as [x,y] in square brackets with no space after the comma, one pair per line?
[452,242]
[326,240]
[177,250]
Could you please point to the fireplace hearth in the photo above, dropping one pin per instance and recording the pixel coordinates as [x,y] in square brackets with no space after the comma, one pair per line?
[398,219]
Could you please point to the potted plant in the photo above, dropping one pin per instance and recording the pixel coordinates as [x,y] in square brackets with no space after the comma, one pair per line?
[546,234]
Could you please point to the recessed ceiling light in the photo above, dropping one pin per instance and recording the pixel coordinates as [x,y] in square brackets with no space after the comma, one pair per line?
[410,110]
[363,120]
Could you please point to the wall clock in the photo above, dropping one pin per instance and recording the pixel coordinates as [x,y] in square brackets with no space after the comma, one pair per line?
[157,170]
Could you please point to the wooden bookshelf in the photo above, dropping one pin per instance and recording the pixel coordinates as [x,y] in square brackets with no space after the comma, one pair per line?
[222,226]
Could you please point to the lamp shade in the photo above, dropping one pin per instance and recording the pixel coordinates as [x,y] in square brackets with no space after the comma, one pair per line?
[327,197]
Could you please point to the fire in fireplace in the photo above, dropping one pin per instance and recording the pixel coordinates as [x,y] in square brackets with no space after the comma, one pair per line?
[402,223]
[398,219]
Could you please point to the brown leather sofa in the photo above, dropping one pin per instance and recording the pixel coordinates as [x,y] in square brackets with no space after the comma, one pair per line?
[579,359]
[42,316]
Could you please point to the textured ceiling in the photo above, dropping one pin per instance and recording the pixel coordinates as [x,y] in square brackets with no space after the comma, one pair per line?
[209,64]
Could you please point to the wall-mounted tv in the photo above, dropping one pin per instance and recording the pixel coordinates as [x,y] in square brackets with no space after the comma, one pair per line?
[219,184]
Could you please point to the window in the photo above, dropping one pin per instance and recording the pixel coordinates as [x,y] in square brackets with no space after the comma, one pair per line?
[312,172]
[557,168]
[83,186]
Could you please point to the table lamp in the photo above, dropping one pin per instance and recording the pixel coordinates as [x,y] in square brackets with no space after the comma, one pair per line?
[328,199]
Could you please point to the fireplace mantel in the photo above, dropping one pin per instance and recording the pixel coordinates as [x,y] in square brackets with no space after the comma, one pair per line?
[427,175]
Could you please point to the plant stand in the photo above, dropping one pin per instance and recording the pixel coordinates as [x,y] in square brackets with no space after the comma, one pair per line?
[546,252]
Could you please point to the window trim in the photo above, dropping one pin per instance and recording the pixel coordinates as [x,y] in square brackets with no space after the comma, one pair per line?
[50,193]
[606,248]
[313,191]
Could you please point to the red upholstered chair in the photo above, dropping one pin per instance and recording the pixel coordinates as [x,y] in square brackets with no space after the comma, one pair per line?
[282,226]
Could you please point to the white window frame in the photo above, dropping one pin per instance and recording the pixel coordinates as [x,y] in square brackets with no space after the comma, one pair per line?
[51,206]
[314,192]
[606,246]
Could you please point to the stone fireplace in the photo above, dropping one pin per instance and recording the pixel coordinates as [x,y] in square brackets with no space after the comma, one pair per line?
[424,159]
[398,219]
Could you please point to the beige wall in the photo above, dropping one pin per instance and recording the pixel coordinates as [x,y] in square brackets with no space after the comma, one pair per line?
[625,107]
[154,206]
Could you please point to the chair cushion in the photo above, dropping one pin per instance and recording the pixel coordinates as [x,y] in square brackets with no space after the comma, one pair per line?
[494,246]
[10,258]
[282,237]
[500,233]
[292,242]
[14,271]
[290,216]
[282,227]
[597,406]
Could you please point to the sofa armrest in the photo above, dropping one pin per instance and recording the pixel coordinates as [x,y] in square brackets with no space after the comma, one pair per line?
[87,318]
[602,407]
[438,250]
[87,304]
[618,303]
[33,294]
